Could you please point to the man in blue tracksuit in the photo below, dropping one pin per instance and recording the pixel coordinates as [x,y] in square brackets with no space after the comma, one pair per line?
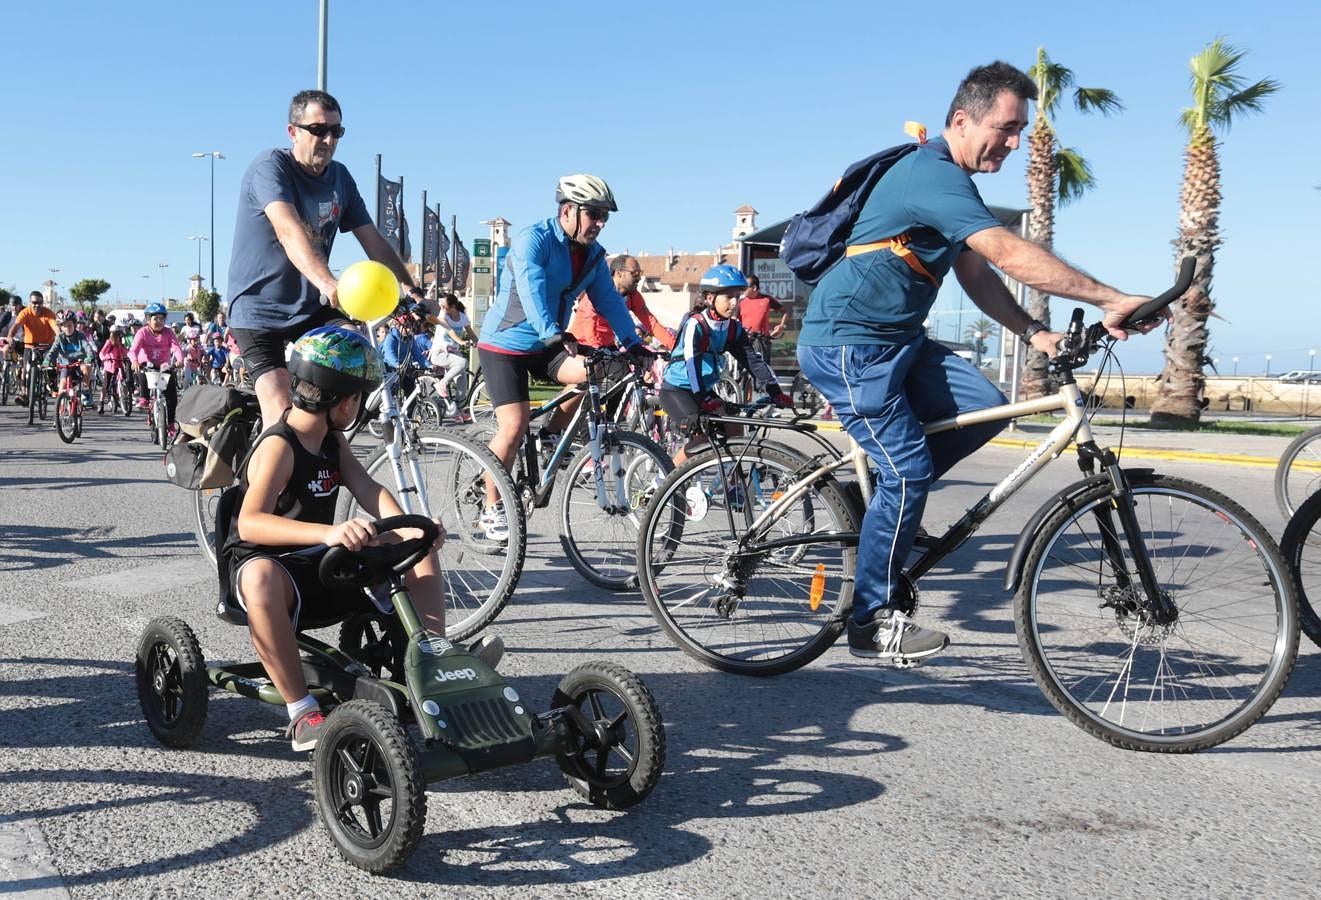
[526,331]
[864,348]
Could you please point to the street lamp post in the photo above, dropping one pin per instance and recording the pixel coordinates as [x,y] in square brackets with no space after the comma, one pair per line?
[163,267]
[1268,365]
[213,155]
[1307,385]
[199,238]
[1236,367]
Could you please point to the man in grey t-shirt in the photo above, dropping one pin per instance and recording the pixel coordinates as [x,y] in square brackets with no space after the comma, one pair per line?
[291,205]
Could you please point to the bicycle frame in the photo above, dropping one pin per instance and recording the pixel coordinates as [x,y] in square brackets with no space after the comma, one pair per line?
[1074,427]
[398,435]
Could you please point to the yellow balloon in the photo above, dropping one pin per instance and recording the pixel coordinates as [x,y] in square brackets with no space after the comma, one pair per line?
[368,290]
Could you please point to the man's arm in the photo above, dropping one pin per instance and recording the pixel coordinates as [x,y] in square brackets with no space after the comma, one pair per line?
[1036,267]
[778,328]
[292,235]
[378,248]
[650,323]
[608,302]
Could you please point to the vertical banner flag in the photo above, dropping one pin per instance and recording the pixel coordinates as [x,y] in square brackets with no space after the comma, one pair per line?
[388,202]
[405,248]
[443,275]
[430,240]
[462,263]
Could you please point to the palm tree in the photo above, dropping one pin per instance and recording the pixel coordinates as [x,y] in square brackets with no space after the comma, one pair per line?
[1054,172]
[1219,97]
[978,333]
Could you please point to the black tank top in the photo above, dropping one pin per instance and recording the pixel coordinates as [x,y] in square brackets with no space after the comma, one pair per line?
[310,495]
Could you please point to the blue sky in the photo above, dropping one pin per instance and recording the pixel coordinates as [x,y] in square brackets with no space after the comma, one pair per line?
[689,109]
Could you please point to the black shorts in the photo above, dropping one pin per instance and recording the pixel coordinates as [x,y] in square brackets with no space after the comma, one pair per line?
[315,604]
[262,349]
[507,375]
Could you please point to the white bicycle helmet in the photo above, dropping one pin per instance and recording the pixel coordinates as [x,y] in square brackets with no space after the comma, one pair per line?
[585,190]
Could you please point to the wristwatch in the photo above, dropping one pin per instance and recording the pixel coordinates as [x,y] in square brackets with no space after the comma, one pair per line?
[1032,328]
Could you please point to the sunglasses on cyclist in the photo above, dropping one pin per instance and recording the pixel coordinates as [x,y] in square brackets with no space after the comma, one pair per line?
[321,129]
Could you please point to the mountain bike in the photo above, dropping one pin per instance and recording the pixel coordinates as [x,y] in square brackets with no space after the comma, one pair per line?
[1153,612]
[1298,474]
[38,396]
[1301,548]
[69,403]
[11,367]
[117,390]
[158,415]
[419,405]
[437,474]
[606,481]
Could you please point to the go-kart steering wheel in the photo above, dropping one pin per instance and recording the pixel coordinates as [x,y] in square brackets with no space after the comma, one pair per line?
[342,567]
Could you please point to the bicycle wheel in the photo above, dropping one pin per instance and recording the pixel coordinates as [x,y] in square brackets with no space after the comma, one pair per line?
[806,399]
[1301,549]
[479,575]
[162,424]
[1109,667]
[755,603]
[125,394]
[34,393]
[602,542]
[730,391]
[1298,475]
[479,405]
[66,418]
[426,413]
[6,377]
[206,502]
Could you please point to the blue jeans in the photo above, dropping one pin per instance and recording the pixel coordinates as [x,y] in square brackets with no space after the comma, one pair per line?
[882,394]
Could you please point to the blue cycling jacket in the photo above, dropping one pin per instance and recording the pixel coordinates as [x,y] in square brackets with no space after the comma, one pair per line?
[536,298]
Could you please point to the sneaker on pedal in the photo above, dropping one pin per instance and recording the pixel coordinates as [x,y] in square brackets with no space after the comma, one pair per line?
[304,733]
[489,649]
[143,403]
[494,523]
[893,637]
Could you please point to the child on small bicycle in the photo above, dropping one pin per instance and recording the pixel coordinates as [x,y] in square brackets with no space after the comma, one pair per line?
[288,488]
[155,346]
[71,348]
[217,359]
[454,335]
[705,335]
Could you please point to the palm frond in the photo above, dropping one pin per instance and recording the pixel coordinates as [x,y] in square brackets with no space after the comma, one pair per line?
[1100,100]
[1220,94]
[1248,100]
[1052,81]
[1075,175]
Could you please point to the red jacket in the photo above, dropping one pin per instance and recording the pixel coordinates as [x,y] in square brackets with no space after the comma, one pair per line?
[593,330]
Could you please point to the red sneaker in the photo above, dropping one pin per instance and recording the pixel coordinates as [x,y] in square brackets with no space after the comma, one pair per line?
[306,730]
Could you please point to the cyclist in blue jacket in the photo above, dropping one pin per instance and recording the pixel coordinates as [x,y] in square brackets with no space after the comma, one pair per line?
[526,331]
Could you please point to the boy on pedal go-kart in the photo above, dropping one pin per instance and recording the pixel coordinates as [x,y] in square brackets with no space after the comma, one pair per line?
[288,490]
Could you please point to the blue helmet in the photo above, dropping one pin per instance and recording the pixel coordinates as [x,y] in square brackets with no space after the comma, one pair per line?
[154,309]
[722,278]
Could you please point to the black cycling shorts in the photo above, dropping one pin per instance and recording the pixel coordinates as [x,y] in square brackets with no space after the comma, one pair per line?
[507,375]
[315,604]
[262,349]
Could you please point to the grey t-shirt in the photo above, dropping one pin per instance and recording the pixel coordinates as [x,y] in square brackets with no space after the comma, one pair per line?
[266,290]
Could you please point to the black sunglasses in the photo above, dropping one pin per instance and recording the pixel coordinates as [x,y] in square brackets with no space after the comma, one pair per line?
[321,129]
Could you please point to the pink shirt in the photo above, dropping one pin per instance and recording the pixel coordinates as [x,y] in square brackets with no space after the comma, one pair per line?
[113,354]
[155,349]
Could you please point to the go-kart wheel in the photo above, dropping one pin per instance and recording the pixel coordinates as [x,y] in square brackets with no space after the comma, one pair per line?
[377,640]
[369,788]
[618,762]
[172,686]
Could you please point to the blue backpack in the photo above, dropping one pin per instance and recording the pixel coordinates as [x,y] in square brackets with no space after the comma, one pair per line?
[815,240]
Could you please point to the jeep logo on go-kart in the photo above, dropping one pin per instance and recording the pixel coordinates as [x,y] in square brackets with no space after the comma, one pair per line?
[456,675]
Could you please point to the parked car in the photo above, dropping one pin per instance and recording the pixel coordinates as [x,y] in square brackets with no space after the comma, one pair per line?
[1299,376]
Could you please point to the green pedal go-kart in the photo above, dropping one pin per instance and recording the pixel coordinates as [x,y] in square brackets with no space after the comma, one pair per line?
[369,776]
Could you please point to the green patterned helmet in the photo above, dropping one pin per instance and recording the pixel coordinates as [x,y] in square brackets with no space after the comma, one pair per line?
[337,360]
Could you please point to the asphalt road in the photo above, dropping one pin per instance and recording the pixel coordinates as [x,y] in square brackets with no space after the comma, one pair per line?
[842,779]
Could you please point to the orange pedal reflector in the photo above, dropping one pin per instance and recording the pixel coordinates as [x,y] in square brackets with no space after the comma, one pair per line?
[818,587]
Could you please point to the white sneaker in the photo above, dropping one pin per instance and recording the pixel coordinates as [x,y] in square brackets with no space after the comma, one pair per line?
[489,649]
[697,502]
[494,523]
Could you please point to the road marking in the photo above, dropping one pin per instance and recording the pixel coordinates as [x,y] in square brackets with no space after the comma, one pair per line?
[26,869]
[9,614]
[148,579]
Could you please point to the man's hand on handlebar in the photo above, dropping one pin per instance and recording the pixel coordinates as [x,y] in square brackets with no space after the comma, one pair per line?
[569,343]
[1048,342]
[1115,313]
[642,354]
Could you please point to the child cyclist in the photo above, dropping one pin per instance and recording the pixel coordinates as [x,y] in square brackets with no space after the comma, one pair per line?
[217,359]
[71,347]
[155,346]
[705,335]
[288,492]
[114,359]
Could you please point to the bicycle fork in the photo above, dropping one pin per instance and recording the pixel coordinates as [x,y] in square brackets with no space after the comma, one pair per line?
[596,432]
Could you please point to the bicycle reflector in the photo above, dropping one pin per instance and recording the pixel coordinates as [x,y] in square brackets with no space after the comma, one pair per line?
[818,588]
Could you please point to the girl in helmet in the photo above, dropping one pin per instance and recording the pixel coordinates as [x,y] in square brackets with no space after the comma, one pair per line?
[289,488]
[156,347]
[705,335]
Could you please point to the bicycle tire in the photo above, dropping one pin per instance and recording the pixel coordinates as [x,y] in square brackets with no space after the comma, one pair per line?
[1228,581]
[1298,474]
[786,606]
[479,576]
[1301,549]
[162,435]
[480,408]
[602,543]
[33,394]
[65,425]
[807,399]
[426,413]
[5,377]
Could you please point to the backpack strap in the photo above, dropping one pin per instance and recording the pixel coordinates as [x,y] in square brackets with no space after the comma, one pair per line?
[897,245]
